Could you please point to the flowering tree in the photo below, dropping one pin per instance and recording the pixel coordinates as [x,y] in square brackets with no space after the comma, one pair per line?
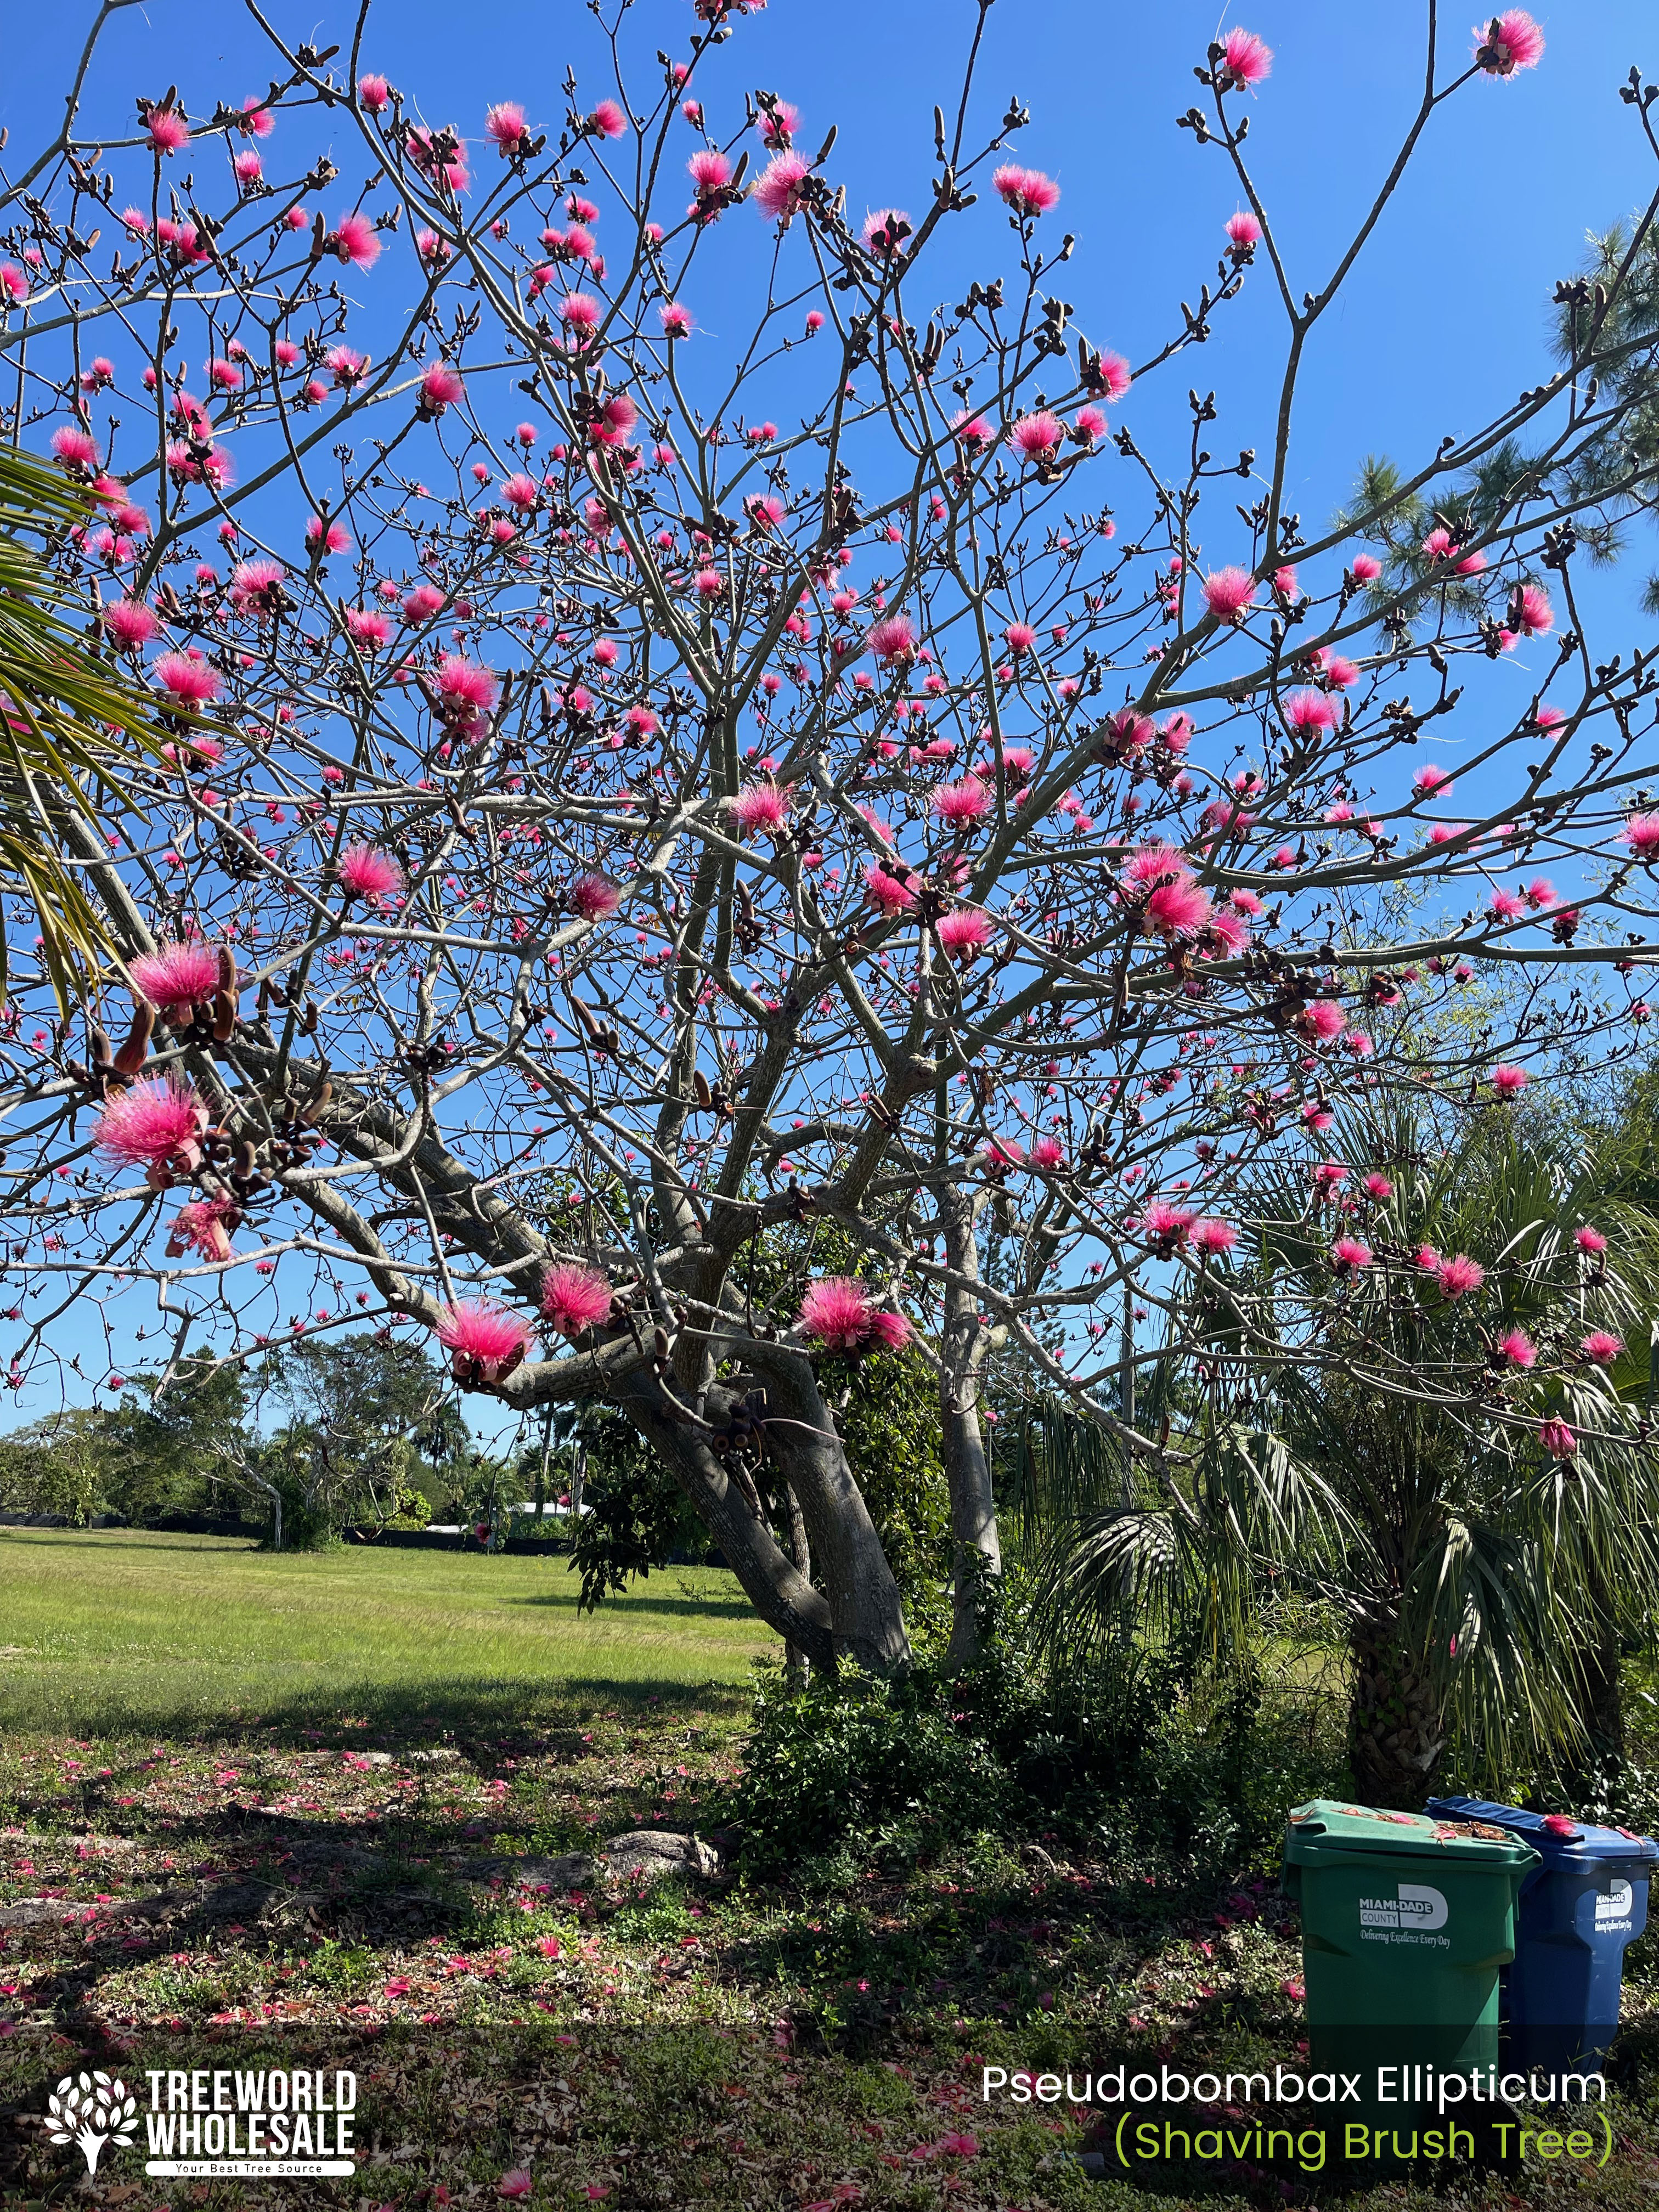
[636,805]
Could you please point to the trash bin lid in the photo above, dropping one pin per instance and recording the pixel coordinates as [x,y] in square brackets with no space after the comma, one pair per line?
[1327,1827]
[1560,1840]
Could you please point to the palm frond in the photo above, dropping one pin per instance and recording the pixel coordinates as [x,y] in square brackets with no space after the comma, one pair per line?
[72,724]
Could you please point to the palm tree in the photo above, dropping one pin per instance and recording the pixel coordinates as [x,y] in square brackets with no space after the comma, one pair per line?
[1401,1470]
[70,721]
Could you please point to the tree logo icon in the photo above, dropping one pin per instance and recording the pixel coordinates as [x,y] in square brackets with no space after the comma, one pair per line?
[92,2110]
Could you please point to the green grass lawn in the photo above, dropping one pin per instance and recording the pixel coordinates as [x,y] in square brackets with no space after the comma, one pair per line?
[117,1630]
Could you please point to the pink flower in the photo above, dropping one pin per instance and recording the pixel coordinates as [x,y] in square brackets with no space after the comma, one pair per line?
[1537,615]
[345,365]
[580,311]
[153,1124]
[606,120]
[1245,60]
[257,588]
[1228,592]
[1601,1348]
[1089,422]
[131,623]
[1378,1186]
[675,319]
[1349,1255]
[504,124]
[521,490]
[593,897]
[1214,1237]
[888,892]
[75,447]
[1512,41]
[440,388]
[1027,192]
[1021,637]
[1177,911]
[423,602]
[1518,1348]
[15,285]
[463,686]
[168,132]
[1110,377]
[1641,834]
[1038,436]
[1457,1276]
[709,171]
[1243,228]
[961,803]
[203,1226]
[366,626]
[1153,863]
[574,1298]
[354,238]
[1432,782]
[1558,1439]
[885,229]
[1589,1240]
[892,638]
[482,1339]
[373,92]
[191,681]
[616,418]
[365,872]
[1165,1224]
[777,190]
[1365,569]
[837,1312]
[970,431]
[1048,1152]
[1310,710]
[963,934]
[1323,1020]
[514,2183]
[1509,1082]
[889,1331]
[176,974]
[763,807]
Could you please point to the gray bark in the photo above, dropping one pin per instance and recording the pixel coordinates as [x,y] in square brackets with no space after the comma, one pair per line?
[967,1466]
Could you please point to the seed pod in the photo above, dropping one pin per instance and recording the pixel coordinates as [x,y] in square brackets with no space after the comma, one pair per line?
[132,1056]
[700,1086]
[224,1018]
[99,1046]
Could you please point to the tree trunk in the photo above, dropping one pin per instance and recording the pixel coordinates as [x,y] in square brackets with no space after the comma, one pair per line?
[1396,1724]
[801,1551]
[976,1545]
[866,1613]
[858,1614]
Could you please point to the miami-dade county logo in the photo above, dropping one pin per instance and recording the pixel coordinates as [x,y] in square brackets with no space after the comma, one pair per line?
[1409,1916]
[1613,1905]
[91,2110]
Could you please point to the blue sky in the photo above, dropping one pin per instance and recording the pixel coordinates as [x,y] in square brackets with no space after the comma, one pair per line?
[1446,318]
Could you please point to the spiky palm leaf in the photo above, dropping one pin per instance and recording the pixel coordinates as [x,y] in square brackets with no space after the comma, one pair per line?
[70,721]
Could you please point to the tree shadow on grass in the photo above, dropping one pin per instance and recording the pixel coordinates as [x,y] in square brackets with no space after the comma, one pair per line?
[371,1715]
[720,1608]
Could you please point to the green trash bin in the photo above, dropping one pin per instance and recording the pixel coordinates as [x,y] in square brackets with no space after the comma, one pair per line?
[1406,1921]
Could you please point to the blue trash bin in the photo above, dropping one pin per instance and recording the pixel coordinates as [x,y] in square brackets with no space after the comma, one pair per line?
[1578,1909]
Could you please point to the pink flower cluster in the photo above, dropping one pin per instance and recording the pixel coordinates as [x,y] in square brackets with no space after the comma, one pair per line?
[838,1313]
